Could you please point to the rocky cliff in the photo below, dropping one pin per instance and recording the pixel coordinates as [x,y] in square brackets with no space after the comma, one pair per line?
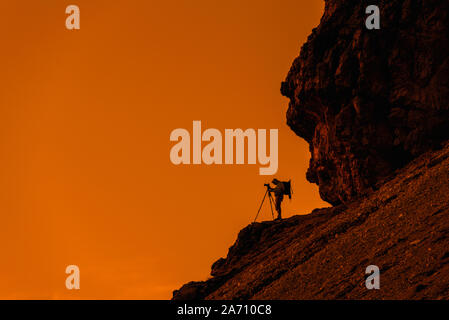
[369,101]
[373,106]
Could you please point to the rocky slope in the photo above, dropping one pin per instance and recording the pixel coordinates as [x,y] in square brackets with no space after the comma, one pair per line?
[369,101]
[403,228]
[373,106]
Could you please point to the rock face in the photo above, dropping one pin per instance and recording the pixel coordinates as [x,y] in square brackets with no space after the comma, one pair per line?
[403,228]
[369,101]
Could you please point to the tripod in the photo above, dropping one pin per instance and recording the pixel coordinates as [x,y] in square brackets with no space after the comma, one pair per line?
[270,198]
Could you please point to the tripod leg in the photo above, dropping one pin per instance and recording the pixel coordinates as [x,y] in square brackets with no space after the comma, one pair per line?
[271,205]
[261,206]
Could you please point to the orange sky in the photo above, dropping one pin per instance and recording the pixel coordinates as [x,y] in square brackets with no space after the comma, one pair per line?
[85,175]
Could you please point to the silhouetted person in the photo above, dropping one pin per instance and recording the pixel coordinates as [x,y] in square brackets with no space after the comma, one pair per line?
[279,190]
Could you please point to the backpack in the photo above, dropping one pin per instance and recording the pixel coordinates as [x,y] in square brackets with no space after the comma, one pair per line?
[288,188]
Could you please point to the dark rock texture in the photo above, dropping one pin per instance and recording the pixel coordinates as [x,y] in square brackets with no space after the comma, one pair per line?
[403,228]
[369,101]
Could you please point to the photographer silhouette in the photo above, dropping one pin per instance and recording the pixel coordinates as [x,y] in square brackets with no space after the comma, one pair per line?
[281,188]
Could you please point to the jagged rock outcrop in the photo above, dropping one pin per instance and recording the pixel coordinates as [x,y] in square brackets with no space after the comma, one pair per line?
[403,228]
[369,101]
